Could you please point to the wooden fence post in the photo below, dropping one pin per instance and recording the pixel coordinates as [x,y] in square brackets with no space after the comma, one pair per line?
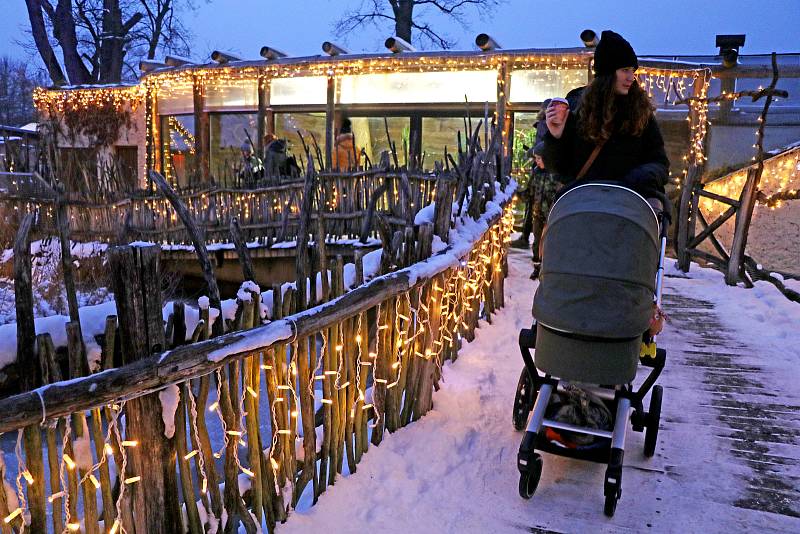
[743,217]
[136,283]
[29,369]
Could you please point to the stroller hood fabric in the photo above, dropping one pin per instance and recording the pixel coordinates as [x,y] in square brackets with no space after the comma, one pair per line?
[600,256]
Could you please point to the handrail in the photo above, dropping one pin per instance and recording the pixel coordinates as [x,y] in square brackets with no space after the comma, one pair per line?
[198,359]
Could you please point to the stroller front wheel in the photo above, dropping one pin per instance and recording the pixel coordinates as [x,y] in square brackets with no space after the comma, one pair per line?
[529,478]
[610,506]
[524,400]
[653,421]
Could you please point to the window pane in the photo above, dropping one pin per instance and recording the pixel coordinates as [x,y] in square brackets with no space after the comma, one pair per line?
[178,155]
[228,133]
[370,133]
[419,87]
[438,133]
[287,126]
[300,90]
[175,98]
[524,136]
[539,85]
[235,95]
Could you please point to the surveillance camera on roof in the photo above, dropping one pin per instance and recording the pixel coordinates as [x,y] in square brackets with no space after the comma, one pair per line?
[397,45]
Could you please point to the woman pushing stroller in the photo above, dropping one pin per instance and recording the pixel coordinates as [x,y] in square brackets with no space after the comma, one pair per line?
[602,260]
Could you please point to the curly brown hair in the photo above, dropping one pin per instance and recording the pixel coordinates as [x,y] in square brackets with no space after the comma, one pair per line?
[602,112]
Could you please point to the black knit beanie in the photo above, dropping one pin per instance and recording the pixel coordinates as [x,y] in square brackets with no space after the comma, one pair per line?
[613,52]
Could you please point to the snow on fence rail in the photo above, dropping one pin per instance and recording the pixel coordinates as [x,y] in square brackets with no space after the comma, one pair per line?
[296,402]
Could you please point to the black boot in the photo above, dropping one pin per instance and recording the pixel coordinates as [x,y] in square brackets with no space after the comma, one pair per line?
[537,266]
[521,242]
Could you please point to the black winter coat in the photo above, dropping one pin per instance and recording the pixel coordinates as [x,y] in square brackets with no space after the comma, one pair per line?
[639,163]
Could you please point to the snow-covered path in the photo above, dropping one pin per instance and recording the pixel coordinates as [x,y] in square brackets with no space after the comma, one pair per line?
[728,458]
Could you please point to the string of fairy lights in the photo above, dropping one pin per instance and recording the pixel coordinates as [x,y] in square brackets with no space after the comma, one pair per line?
[462,289]
[674,84]
[780,181]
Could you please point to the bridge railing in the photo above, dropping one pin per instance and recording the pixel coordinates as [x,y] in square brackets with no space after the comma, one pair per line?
[238,427]
[269,214]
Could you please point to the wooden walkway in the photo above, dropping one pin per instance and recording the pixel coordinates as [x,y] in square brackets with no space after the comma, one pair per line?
[727,460]
[728,457]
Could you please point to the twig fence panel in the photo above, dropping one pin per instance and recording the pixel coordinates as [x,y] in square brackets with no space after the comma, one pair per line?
[294,399]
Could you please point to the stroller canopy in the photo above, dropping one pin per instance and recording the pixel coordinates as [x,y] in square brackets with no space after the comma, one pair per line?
[599,262]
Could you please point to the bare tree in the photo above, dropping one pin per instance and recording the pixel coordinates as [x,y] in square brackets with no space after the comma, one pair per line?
[101,40]
[406,20]
[17,81]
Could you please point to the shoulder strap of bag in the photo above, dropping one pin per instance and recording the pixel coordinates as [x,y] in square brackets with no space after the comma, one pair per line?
[590,160]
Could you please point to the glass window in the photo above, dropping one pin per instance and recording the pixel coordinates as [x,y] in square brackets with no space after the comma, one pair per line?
[419,87]
[298,91]
[437,133]
[539,85]
[175,98]
[228,133]
[178,149]
[234,95]
[370,133]
[524,138]
[291,126]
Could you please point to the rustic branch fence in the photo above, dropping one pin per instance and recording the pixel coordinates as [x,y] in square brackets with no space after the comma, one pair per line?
[298,400]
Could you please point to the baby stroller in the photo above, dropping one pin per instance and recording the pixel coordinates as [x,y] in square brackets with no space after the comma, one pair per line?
[601,275]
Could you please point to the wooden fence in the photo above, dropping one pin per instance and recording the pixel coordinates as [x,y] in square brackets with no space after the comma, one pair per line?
[295,400]
[270,213]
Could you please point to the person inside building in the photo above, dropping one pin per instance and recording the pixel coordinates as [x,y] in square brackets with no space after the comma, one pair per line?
[251,168]
[346,155]
[613,135]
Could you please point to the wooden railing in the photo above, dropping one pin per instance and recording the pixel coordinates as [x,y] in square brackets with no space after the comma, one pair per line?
[270,213]
[295,398]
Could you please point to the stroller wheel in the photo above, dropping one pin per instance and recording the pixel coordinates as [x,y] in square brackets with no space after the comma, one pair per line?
[523,401]
[653,421]
[529,478]
[611,505]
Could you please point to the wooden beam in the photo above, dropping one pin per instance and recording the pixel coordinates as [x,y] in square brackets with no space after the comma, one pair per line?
[709,228]
[28,366]
[714,241]
[198,240]
[241,249]
[202,129]
[710,258]
[719,198]
[330,118]
[750,192]
[686,219]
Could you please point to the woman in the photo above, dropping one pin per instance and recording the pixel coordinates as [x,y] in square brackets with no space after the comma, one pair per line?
[614,134]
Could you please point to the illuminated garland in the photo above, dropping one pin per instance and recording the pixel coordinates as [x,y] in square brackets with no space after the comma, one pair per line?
[64,100]
[780,181]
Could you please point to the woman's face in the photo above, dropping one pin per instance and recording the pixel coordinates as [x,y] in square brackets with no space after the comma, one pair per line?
[623,80]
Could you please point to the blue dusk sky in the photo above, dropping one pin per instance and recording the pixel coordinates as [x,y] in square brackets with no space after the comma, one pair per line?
[299,27]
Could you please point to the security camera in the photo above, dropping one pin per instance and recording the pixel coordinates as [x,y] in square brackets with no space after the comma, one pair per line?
[267,52]
[485,42]
[223,57]
[397,45]
[589,38]
[332,49]
[729,48]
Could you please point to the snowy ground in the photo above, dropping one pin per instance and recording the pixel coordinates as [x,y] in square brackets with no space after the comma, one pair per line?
[727,459]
